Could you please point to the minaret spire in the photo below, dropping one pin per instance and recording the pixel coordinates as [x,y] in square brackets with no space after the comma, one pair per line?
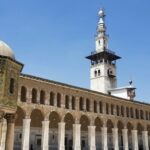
[101,38]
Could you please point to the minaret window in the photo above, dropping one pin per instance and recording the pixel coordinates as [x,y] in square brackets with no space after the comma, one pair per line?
[12,86]
[99,73]
[95,73]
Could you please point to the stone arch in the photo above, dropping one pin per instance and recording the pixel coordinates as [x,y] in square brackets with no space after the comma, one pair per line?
[20,116]
[148,129]
[129,127]
[140,128]
[34,95]
[69,121]
[110,125]
[120,126]
[98,124]
[85,122]
[23,96]
[42,97]
[54,119]
[36,118]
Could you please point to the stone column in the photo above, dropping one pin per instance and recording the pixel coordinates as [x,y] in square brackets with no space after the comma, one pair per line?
[76,137]
[45,135]
[104,138]
[135,145]
[1,120]
[9,143]
[91,138]
[61,136]
[115,138]
[26,134]
[125,139]
[145,140]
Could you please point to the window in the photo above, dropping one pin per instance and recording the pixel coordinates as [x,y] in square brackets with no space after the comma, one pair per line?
[87,105]
[118,110]
[95,106]
[112,109]
[99,72]
[34,95]
[67,102]
[95,73]
[42,97]
[58,100]
[23,94]
[52,98]
[81,103]
[12,86]
[100,107]
[73,103]
[107,108]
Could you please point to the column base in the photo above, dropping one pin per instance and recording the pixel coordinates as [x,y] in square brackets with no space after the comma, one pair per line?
[61,148]
[92,148]
[77,148]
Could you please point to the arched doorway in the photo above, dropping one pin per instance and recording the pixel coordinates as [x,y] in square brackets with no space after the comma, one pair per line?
[84,121]
[109,134]
[18,128]
[53,135]
[69,121]
[36,129]
[98,125]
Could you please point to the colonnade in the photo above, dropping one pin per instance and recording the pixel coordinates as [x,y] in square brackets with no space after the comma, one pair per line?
[76,136]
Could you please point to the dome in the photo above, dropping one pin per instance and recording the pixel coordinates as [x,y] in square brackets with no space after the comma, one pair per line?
[5,50]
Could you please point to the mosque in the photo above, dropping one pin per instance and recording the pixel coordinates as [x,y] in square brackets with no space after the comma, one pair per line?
[41,114]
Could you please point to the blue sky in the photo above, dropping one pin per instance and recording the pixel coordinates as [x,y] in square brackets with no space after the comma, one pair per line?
[52,38]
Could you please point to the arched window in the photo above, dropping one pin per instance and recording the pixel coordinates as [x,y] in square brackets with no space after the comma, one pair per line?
[127,112]
[95,73]
[87,105]
[67,101]
[95,106]
[141,114]
[73,103]
[107,108]
[99,72]
[34,96]
[122,111]
[58,100]
[52,98]
[81,103]
[137,114]
[131,113]
[112,109]
[146,115]
[100,107]
[42,97]
[23,94]
[12,86]
[118,110]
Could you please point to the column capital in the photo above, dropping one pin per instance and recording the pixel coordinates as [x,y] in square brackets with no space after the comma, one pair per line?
[10,118]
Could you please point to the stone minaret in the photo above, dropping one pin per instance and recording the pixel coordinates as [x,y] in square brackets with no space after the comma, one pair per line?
[103,61]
